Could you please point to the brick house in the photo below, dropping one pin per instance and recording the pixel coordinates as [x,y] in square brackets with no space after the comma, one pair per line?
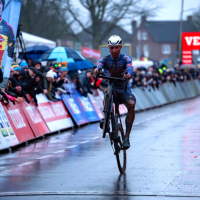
[86,38]
[158,40]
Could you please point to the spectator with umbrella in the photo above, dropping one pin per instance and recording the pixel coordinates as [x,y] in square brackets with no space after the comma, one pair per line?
[65,54]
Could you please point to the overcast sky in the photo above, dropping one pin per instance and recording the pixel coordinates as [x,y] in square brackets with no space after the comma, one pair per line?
[172,9]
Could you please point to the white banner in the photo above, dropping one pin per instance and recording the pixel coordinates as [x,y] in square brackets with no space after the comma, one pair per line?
[7,135]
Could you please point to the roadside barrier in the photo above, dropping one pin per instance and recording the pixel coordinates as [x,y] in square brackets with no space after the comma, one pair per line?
[23,122]
[54,114]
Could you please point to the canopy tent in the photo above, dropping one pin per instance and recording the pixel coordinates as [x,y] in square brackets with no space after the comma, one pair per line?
[31,40]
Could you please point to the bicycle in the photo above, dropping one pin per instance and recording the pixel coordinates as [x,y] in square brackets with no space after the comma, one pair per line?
[111,113]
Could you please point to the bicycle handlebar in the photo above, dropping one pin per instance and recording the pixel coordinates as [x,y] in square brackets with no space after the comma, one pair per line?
[112,78]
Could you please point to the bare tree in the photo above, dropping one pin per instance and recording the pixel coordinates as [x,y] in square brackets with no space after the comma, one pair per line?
[99,12]
[64,19]
[42,18]
[196,18]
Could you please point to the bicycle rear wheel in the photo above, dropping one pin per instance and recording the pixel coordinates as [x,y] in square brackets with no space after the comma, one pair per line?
[107,108]
[120,153]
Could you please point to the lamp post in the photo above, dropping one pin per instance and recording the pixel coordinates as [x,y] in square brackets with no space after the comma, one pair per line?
[180,33]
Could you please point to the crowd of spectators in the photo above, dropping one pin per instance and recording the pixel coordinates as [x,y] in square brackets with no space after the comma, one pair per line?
[33,78]
[154,77]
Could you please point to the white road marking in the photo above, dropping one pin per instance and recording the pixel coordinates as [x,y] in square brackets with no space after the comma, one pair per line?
[44,157]
[70,147]
[60,151]
[24,164]
[152,118]
[95,138]
[84,142]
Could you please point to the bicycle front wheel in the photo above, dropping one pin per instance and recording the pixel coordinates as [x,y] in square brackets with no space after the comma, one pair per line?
[107,108]
[120,153]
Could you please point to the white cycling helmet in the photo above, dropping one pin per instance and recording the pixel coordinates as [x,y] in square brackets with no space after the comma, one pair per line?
[114,40]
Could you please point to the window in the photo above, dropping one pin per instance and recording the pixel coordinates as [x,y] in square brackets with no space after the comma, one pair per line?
[144,35]
[146,50]
[138,51]
[139,35]
[166,49]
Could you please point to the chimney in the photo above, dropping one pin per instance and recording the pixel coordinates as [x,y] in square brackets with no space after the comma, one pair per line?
[134,26]
[189,18]
[144,18]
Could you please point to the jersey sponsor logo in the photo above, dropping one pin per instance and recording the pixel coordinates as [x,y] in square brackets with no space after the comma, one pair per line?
[119,64]
[129,65]
[128,58]
[100,65]
[111,65]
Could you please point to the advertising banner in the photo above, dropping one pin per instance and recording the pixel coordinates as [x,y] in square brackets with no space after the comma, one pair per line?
[88,108]
[34,118]
[18,122]
[190,42]
[72,103]
[90,53]
[97,103]
[10,12]
[7,135]
[54,114]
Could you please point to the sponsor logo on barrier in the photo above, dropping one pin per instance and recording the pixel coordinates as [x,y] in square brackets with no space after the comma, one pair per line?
[73,106]
[46,111]
[17,118]
[33,115]
[86,104]
[59,109]
[7,135]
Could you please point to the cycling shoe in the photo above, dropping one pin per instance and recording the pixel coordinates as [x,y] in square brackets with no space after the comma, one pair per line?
[126,143]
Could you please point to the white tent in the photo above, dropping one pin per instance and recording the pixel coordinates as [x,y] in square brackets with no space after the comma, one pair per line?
[31,40]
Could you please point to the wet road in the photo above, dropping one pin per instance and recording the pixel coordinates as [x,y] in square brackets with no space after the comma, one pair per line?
[163,161]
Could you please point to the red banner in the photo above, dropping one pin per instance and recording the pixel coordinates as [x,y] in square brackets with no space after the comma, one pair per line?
[18,122]
[34,118]
[90,53]
[54,114]
[190,42]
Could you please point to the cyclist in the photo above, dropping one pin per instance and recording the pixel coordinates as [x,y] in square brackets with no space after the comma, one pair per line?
[115,65]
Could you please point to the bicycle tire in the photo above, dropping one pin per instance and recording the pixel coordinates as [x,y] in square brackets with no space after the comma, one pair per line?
[107,106]
[120,153]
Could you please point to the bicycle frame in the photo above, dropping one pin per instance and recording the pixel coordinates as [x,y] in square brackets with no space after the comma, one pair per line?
[114,116]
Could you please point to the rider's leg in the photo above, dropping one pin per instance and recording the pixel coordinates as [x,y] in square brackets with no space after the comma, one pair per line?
[130,116]
[129,101]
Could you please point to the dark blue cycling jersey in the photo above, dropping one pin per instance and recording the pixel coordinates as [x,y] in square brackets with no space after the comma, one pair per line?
[116,68]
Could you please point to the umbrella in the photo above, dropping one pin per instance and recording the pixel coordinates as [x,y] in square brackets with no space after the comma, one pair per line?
[65,54]
[34,52]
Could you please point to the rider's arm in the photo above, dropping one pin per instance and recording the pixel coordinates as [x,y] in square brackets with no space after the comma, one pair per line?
[129,66]
[101,63]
